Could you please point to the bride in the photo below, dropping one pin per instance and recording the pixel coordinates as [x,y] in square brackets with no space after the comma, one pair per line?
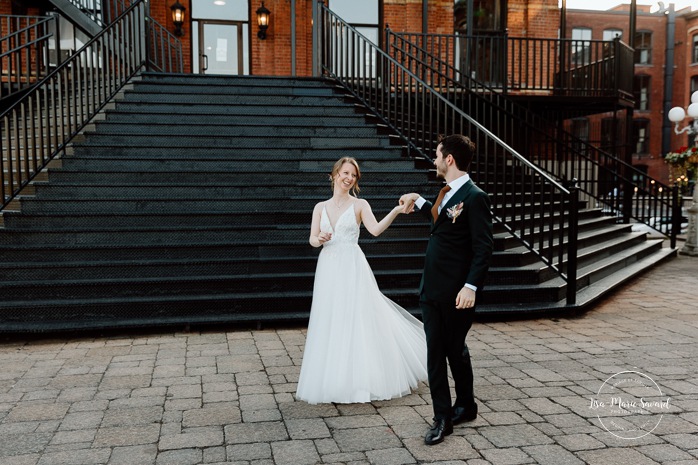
[360,346]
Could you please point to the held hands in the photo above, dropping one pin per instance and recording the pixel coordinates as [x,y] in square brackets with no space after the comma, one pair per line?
[465,298]
[407,202]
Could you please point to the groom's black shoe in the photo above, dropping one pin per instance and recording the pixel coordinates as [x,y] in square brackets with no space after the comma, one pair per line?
[462,415]
[438,431]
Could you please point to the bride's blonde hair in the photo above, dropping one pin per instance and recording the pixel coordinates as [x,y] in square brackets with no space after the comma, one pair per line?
[335,171]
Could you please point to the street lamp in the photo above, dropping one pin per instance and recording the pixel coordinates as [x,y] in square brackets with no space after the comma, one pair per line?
[676,116]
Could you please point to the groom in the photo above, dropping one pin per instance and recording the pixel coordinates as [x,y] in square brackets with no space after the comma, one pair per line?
[457,259]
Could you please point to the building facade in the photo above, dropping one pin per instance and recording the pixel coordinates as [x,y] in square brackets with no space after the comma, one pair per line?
[666,73]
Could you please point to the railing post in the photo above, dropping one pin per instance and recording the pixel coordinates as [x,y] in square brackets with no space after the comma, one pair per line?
[675,214]
[316,38]
[572,230]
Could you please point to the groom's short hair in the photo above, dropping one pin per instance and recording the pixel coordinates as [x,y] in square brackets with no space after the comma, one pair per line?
[460,147]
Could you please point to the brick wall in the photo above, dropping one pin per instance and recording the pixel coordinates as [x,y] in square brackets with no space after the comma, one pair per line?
[618,18]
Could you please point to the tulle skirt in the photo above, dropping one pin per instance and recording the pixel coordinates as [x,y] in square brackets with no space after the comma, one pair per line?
[361,346]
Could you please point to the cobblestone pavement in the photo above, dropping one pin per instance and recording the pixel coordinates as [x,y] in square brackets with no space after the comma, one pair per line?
[227,397]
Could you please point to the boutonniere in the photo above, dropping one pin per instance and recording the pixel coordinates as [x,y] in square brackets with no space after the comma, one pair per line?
[455,211]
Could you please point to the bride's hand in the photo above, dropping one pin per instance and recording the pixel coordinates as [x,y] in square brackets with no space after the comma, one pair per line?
[399,209]
[323,237]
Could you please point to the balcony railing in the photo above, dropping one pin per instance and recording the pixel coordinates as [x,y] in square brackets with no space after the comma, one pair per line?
[591,68]
[604,180]
[531,205]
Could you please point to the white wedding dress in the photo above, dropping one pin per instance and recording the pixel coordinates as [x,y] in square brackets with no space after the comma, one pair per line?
[361,346]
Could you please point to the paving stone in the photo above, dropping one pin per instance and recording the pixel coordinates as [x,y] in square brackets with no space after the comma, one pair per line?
[303,410]
[615,456]
[363,439]
[82,420]
[257,402]
[400,415]
[544,406]
[38,411]
[198,437]
[132,455]
[307,429]
[301,452]
[396,456]
[222,414]
[502,418]
[252,416]
[180,457]
[27,459]
[683,441]
[326,446]
[509,456]
[552,454]
[67,437]
[76,457]
[25,443]
[355,421]
[127,436]
[257,450]
[514,435]
[129,416]
[256,432]
[453,448]
[344,458]
[664,452]
[576,442]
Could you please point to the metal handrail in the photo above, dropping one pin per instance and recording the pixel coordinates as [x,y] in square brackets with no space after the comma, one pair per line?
[632,194]
[531,205]
[23,52]
[37,128]
[164,49]
[102,12]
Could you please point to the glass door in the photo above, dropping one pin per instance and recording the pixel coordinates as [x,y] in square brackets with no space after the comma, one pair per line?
[221,48]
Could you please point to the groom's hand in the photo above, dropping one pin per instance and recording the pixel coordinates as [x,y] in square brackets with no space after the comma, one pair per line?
[465,298]
[407,201]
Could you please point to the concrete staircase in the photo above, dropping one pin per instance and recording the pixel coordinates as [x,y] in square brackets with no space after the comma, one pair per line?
[190,202]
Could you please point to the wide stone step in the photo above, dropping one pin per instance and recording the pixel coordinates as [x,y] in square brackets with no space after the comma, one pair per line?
[184,163]
[335,108]
[269,268]
[180,119]
[253,188]
[198,178]
[203,129]
[211,88]
[186,142]
[187,80]
[255,99]
[88,149]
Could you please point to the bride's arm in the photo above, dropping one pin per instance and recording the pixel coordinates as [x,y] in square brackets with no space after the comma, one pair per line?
[317,237]
[372,225]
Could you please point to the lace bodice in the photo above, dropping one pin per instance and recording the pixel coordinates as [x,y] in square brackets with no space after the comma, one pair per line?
[346,231]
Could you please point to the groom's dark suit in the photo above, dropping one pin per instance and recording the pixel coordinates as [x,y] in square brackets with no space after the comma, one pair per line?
[458,253]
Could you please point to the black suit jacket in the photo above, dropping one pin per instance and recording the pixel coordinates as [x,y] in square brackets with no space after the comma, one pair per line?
[459,251]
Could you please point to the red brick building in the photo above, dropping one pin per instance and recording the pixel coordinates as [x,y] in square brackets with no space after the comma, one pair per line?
[653,133]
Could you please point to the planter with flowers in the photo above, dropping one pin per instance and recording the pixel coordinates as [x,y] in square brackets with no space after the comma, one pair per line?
[683,165]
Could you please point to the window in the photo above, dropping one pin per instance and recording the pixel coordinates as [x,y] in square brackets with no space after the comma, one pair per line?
[694,84]
[362,15]
[580,130]
[695,49]
[610,134]
[610,34]
[641,136]
[641,91]
[581,45]
[643,47]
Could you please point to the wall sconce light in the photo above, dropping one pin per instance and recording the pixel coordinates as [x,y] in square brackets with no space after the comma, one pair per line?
[178,18]
[262,21]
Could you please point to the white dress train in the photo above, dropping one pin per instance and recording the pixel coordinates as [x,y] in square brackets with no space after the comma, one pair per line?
[361,346]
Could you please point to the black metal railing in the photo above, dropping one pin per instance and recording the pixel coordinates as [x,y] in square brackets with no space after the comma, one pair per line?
[529,203]
[102,12]
[604,179]
[164,49]
[24,57]
[37,128]
[534,65]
